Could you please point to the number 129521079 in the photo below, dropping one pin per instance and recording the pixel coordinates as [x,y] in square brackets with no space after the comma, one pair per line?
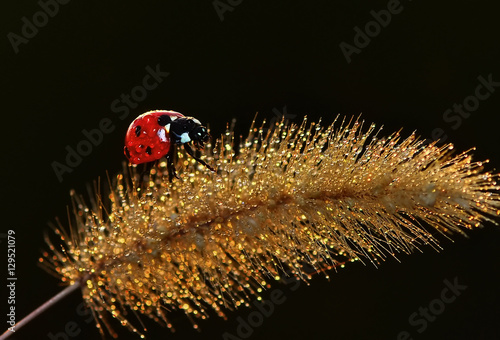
[11,253]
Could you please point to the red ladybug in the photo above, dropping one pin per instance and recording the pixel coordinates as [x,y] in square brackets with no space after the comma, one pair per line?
[155,134]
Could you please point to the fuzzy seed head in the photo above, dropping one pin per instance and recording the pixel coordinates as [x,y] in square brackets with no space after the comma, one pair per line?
[294,201]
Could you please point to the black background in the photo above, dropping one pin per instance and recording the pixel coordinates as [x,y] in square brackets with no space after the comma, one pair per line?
[262,57]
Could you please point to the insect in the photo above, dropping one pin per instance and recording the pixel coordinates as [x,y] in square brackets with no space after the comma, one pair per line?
[156,134]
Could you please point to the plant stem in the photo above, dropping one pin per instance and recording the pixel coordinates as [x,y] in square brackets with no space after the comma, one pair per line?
[42,308]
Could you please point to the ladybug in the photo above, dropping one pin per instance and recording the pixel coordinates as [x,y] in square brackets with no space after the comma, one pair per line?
[155,134]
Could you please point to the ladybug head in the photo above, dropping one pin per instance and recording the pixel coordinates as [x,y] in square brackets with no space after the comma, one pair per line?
[199,135]
[188,129]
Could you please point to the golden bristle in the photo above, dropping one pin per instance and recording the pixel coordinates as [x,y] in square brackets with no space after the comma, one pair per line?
[284,200]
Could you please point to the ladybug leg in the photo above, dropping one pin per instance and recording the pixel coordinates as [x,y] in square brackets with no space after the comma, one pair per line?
[190,152]
[170,164]
[145,173]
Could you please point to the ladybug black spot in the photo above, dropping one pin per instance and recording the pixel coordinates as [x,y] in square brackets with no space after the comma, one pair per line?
[127,153]
[164,120]
[148,150]
[138,130]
